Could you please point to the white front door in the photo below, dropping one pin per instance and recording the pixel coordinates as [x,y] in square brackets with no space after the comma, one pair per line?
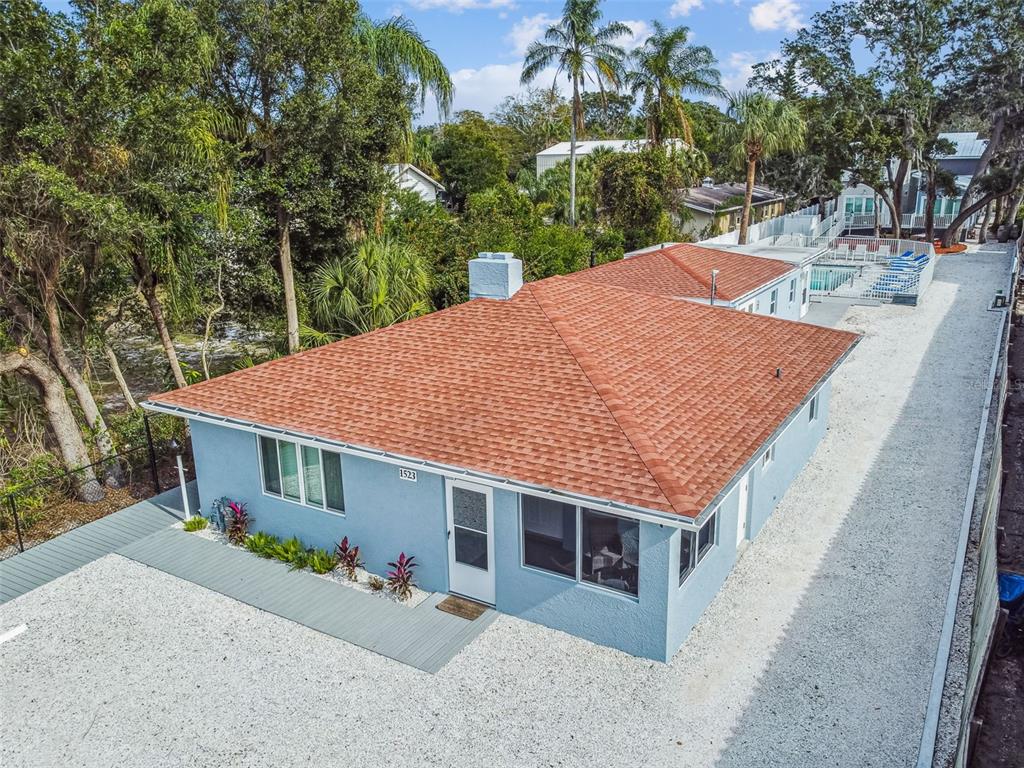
[470,540]
[744,512]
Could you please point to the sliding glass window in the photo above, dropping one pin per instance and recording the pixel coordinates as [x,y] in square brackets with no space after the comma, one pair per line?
[549,536]
[581,544]
[305,474]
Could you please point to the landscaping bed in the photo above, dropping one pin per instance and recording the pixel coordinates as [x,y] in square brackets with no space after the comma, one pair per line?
[343,566]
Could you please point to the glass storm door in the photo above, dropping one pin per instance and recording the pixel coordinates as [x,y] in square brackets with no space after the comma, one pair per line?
[470,540]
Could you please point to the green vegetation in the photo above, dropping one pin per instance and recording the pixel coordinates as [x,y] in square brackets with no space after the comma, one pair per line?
[580,50]
[262,544]
[194,524]
[762,127]
[321,561]
[166,167]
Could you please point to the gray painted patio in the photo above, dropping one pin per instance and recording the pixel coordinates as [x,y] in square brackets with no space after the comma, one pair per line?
[422,637]
[61,555]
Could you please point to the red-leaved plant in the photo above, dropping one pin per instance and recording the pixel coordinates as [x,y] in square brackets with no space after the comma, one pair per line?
[348,558]
[400,580]
[237,523]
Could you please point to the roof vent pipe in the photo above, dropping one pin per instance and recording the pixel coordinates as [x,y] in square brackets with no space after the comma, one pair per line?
[714,285]
[495,276]
[778,373]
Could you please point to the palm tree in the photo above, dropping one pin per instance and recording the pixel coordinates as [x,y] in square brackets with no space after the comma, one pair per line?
[760,128]
[383,283]
[395,47]
[665,67]
[582,51]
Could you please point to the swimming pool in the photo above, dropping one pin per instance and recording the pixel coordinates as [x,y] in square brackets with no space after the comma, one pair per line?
[831,277]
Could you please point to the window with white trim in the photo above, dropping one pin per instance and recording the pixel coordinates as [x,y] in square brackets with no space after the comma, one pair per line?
[302,473]
[792,290]
[769,456]
[694,545]
[812,409]
[581,544]
[773,305]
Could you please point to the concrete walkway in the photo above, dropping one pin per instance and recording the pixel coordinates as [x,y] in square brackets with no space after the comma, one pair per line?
[65,553]
[422,636]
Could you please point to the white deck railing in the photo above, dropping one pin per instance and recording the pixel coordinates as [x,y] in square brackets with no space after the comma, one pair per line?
[883,269]
[804,223]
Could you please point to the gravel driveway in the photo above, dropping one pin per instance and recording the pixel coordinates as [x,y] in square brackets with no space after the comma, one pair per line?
[818,650]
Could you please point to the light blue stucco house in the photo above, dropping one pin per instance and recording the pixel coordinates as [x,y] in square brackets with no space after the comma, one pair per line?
[583,455]
[758,284]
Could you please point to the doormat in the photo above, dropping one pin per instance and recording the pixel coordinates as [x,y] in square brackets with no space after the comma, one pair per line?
[458,606]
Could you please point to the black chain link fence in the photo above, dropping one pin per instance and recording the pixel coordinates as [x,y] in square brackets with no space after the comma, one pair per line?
[46,508]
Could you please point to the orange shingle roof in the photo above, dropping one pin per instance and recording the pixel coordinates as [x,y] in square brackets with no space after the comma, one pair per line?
[684,271]
[578,387]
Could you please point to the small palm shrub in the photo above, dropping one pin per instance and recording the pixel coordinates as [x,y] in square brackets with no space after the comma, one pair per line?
[292,551]
[262,544]
[400,577]
[348,558]
[237,523]
[321,561]
[195,524]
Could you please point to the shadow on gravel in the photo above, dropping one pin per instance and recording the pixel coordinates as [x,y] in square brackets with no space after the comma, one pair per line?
[850,680]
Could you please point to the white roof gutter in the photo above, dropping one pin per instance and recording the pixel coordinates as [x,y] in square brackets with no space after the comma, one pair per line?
[446,470]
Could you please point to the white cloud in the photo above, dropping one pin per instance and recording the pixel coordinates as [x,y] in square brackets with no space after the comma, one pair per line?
[641,30]
[458,6]
[739,67]
[526,30]
[776,14]
[684,7]
[530,28]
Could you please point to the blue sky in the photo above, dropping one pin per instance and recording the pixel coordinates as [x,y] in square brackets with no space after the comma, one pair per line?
[482,41]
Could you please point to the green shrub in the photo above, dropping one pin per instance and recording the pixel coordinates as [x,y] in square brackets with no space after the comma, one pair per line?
[377,584]
[292,552]
[196,524]
[321,561]
[262,544]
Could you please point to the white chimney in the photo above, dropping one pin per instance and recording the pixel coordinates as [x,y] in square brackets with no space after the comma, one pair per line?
[495,276]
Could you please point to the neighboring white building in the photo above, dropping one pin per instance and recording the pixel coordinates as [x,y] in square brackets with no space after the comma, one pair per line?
[411,178]
[553,155]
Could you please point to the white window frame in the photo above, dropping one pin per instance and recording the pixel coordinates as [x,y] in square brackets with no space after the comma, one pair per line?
[792,290]
[696,555]
[812,409]
[773,301]
[578,578]
[300,464]
[768,458]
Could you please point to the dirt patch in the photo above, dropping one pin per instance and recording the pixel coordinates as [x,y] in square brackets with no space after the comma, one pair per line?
[1000,706]
[56,518]
[59,514]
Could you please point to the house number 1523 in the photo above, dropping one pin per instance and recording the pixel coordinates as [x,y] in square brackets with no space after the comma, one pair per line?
[407,474]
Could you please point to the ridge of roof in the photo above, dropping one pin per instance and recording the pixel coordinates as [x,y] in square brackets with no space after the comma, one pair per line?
[674,491]
[672,253]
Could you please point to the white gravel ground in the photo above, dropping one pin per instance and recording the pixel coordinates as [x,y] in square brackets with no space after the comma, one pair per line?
[818,650]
